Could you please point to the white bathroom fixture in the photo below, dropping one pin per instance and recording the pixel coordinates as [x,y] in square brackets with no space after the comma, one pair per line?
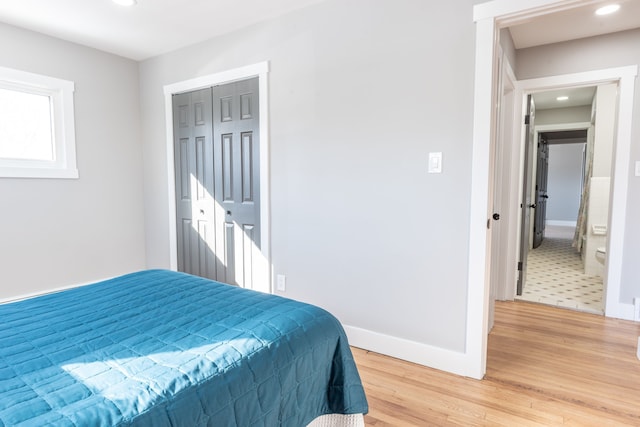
[599,229]
[601,254]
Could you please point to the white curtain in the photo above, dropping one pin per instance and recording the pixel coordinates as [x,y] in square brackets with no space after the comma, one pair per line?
[581,223]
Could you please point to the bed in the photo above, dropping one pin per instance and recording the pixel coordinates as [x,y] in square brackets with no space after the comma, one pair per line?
[162,348]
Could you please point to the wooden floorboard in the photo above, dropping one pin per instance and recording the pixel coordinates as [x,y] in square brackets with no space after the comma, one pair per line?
[546,366]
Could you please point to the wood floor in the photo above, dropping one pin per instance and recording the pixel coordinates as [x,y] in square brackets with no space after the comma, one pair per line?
[545,366]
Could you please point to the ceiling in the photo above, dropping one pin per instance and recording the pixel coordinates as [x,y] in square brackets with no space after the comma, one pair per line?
[150,28]
[576,97]
[576,23]
[154,27]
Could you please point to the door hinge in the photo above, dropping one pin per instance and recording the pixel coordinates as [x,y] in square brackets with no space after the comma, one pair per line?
[527,118]
[519,265]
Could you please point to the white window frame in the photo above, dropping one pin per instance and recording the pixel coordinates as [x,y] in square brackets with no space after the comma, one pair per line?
[64,140]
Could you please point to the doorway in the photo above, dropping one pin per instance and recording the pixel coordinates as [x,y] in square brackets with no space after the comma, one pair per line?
[562,267]
[593,240]
[490,17]
[559,272]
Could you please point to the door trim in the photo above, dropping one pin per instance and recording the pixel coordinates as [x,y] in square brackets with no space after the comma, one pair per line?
[260,70]
[509,155]
[486,17]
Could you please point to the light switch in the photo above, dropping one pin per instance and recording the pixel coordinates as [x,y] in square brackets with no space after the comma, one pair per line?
[637,167]
[435,162]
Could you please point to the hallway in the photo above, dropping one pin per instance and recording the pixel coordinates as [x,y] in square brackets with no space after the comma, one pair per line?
[555,275]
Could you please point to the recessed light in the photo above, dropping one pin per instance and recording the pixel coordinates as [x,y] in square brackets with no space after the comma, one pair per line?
[125,2]
[605,10]
[562,98]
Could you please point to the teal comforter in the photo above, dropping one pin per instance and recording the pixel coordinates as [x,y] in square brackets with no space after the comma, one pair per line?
[160,348]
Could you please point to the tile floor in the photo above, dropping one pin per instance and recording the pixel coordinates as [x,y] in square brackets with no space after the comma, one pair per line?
[555,275]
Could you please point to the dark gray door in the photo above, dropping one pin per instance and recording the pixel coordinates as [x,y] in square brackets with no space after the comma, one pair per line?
[526,205]
[217,181]
[195,205]
[236,147]
[542,175]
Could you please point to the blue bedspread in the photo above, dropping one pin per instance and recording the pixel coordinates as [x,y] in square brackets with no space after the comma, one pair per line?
[159,348]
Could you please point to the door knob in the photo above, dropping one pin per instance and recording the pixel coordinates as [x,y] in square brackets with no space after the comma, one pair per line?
[532,206]
[496,216]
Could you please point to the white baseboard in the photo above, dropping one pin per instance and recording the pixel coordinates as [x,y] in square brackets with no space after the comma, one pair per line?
[560,223]
[411,351]
[49,291]
[621,311]
[436,357]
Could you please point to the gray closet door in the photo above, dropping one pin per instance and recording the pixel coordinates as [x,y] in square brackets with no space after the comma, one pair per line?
[195,204]
[236,147]
[217,181]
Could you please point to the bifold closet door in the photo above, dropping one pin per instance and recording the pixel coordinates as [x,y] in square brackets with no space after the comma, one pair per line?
[217,181]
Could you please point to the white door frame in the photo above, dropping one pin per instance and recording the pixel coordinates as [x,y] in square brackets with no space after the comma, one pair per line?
[262,265]
[487,16]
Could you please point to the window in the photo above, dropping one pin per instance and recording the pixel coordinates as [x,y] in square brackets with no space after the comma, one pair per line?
[37,131]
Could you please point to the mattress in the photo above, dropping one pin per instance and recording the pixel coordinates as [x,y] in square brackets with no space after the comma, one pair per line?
[161,348]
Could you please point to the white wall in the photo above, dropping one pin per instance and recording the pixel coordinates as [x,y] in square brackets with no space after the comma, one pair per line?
[605,127]
[554,116]
[507,46]
[56,233]
[564,181]
[612,50]
[360,93]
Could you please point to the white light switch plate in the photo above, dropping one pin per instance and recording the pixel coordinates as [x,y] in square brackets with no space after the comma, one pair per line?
[281,282]
[435,163]
[637,167]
